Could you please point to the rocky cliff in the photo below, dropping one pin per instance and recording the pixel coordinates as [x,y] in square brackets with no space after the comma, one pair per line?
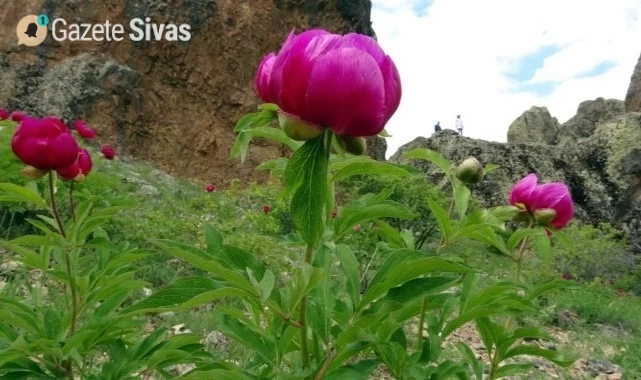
[633,98]
[597,153]
[173,103]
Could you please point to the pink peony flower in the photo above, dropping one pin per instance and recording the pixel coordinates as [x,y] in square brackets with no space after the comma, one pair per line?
[266,209]
[551,203]
[18,116]
[345,83]
[84,130]
[45,144]
[567,276]
[79,170]
[108,152]
[210,188]
[4,114]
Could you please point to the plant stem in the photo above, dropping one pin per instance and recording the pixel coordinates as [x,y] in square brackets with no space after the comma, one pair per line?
[72,204]
[441,244]
[328,362]
[302,314]
[519,260]
[421,322]
[72,285]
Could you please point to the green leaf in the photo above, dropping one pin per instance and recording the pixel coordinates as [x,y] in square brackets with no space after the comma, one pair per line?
[52,324]
[420,287]
[321,301]
[490,168]
[218,374]
[462,196]
[175,294]
[358,371]
[275,134]
[235,329]
[241,145]
[442,218]
[15,193]
[306,176]
[349,267]
[512,369]
[432,156]
[371,168]
[554,356]
[358,214]
[409,270]
[549,286]
[265,286]
[543,247]
[394,259]
[470,357]
[517,237]
[391,235]
[214,240]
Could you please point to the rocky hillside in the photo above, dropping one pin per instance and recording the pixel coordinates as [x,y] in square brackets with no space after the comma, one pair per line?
[173,103]
[597,153]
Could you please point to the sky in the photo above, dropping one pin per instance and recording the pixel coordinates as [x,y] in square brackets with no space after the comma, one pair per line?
[491,60]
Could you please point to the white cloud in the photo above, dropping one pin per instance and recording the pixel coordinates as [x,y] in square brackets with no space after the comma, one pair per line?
[457,58]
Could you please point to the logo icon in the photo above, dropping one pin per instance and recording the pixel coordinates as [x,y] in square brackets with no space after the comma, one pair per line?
[32,30]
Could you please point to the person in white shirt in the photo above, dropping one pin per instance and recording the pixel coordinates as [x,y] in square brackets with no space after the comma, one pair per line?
[459,125]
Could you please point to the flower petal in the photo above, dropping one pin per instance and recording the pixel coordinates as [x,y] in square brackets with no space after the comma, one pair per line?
[346,93]
[522,191]
[393,89]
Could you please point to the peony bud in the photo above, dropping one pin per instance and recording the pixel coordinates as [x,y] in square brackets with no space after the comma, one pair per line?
[79,170]
[108,152]
[544,216]
[210,188]
[84,130]
[266,209]
[470,171]
[30,172]
[297,129]
[18,116]
[354,145]
[45,144]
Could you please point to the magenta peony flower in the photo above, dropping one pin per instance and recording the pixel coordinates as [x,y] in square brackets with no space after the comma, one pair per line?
[108,152]
[210,188]
[79,170]
[84,130]
[266,209]
[550,204]
[345,83]
[45,144]
[18,116]
[4,114]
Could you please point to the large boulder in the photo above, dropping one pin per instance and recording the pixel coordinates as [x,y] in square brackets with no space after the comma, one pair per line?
[172,103]
[588,116]
[536,125]
[633,98]
[603,172]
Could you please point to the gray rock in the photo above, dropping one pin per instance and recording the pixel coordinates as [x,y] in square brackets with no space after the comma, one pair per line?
[535,126]
[148,191]
[633,98]
[588,116]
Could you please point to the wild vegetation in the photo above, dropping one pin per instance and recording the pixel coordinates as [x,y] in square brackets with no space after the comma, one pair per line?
[341,267]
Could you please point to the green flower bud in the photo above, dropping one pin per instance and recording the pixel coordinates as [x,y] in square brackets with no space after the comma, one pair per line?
[30,172]
[470,171]
[352,144]
[544,216]
[297,129]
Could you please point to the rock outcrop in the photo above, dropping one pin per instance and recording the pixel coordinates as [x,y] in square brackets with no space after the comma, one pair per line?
[633,98]
[535,126]
[590,114]
[172,103]
[602,170]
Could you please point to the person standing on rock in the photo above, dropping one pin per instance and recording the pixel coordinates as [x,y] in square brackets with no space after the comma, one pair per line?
[437,127]
[459,125]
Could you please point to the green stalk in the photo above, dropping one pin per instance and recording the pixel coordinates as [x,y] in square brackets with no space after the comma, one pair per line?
[68,267]
[302,314]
